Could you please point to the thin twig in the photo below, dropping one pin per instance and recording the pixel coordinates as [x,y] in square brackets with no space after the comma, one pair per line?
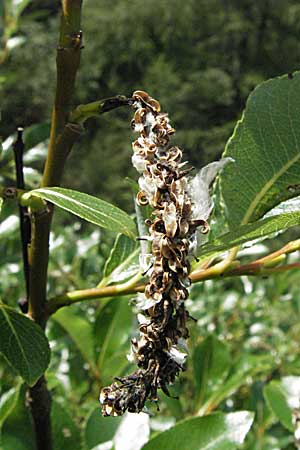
[25,225]
[259,267]
[84,112]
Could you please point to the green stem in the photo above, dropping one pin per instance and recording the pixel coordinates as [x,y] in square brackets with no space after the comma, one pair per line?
[62,138]
[84,112]
[261,267]
[91,294]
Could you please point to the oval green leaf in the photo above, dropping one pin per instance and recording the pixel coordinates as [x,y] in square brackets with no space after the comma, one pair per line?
[23,344]
[213,432]
[90,208]
[266,148]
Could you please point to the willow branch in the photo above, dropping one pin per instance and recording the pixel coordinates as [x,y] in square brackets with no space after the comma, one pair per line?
[62,138]
[61,141]
[67,63]
[261,267]
[40,404]
[70,298]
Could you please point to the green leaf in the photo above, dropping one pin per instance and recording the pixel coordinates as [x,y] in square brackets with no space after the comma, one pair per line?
[66,434]
[112,334]
[98,429]
[248,365]
[250,232]
[213,432]
[17,431]
[89,208]
[211,361]
[23,344]
[266,148]
[283,397]
[123,259]
[174,405]
[8,401]
[80,331]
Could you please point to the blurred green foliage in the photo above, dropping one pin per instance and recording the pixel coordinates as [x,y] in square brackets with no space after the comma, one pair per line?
[200,58]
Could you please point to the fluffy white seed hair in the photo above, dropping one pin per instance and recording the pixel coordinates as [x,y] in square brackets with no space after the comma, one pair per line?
[199,188]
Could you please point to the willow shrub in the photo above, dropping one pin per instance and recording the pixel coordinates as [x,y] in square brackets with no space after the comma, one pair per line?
[204,369]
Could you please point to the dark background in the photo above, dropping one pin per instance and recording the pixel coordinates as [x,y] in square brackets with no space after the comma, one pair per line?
[199,58]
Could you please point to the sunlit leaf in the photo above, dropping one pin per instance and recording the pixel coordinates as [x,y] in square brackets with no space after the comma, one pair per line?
[283,397]
[17,430]
[133,432]
[9,226]
[89,208]
[266,149]
[250,232]
[17,7]
[213,432]
[8,401]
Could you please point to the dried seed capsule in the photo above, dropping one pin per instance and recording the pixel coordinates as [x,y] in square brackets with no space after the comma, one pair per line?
[163,185]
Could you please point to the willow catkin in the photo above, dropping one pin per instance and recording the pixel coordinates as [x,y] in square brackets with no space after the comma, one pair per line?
[160,351]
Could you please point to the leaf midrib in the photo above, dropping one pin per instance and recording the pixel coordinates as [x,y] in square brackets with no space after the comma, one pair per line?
[54,193]
[266,187]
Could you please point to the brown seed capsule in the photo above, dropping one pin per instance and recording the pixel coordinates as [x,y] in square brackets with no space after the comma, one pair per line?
[163,185]
[141,198]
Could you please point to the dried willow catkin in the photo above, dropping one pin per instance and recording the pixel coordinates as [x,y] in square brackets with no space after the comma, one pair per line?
[163,330]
